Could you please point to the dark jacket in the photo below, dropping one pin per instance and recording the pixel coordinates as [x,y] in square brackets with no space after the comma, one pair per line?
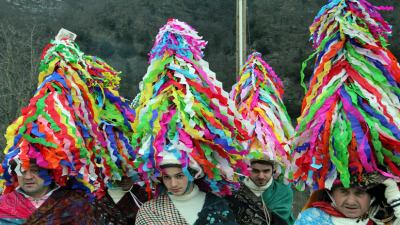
[248,209]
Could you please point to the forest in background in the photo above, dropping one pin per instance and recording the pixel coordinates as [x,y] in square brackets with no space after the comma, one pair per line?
[122,33]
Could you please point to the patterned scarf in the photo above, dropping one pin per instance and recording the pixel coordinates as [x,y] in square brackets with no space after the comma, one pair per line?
[64,207]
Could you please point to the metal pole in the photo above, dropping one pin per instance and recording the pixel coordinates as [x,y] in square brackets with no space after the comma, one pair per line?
[241,8]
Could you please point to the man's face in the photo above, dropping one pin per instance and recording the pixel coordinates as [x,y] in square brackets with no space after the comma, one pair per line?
[175,181]
[31,183]
[260,173]
[352,202]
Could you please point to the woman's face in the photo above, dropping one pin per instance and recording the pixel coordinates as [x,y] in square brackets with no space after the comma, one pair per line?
[352,202]
[175,181]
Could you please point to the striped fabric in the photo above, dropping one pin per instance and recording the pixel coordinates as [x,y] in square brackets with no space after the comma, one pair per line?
[161,211]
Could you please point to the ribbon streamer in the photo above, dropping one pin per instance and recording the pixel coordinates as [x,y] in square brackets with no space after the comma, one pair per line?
[258,97]
[182,111]
[350,119]
[75,125]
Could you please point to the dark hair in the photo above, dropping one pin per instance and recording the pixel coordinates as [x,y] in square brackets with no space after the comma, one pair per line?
[172,165]
[169,165]
[263,162]
[199,182]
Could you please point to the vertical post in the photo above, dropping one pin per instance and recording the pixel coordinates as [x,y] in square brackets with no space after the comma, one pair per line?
[241,8]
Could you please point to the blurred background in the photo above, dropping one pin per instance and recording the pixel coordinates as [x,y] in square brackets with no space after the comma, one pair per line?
[122,33]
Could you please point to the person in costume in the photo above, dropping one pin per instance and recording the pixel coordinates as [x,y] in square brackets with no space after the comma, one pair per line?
[181,201]
[39,200]
[356,205]
[128,197]
[186,135]
[348,135]
[261,199]
[75,126]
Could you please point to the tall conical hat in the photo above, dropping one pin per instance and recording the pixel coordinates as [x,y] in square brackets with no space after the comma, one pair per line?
[258,97]
[76,124]
[183,114]
[349,125]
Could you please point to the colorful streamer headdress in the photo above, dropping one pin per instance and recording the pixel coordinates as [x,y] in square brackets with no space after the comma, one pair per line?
[258,97]
[76,124]
[350,120]
[183,112]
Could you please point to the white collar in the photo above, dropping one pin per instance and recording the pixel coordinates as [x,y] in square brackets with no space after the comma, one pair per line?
[348,221]
[256,189]
[186,196]
[37,202]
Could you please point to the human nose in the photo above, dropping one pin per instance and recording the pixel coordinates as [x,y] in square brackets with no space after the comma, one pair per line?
[351,199]
[28,174]
[174,182]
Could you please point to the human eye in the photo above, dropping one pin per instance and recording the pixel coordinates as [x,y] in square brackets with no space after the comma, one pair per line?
[165,177]
[360,192]
[35,170]
[343,190]
[180,176]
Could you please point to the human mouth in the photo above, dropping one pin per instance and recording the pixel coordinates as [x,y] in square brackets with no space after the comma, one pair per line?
[351,207]
[175,190]
[352,210]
